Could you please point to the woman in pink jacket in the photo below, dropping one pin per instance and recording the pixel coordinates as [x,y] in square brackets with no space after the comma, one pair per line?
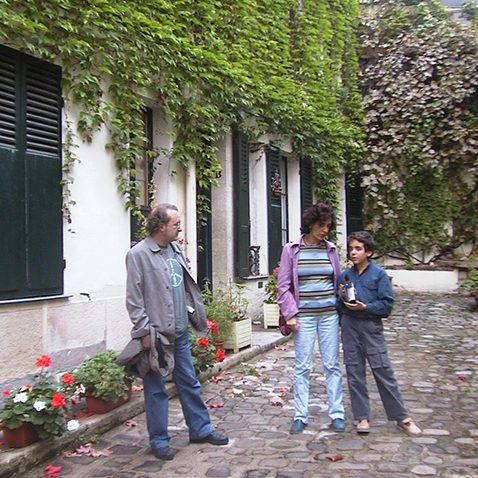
[307,281]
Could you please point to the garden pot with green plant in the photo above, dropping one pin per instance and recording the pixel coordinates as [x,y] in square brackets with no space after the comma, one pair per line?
[104,384]
[470,285]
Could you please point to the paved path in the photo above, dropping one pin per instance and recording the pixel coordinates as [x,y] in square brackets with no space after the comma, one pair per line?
[433,344]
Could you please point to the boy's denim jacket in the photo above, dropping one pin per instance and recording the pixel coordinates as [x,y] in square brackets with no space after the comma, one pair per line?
[373,288]
[288,279]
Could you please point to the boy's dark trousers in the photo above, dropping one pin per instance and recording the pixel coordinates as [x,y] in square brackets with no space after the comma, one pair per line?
[363,338]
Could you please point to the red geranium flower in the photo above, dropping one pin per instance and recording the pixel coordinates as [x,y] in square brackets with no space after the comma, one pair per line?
[58,401]
[68,379]
[212,326]
[220,355]
[203,342]
[6,393]
[43,361]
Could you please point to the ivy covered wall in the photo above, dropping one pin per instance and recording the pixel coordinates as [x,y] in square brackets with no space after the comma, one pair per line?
[285,67]
[419,76]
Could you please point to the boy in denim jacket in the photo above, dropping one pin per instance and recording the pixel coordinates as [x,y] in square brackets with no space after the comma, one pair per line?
[363,338]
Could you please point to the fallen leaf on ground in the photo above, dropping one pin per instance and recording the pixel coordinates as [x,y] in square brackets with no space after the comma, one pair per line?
[137,388]
[280,347]
[216,379]
[52,471]
[276,402]
[131,423]
[336,457]
[215,405]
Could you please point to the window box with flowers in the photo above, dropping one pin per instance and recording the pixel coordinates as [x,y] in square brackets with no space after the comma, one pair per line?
[104,384]
[39,409]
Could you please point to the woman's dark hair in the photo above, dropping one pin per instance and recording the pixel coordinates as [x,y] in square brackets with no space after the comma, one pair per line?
[364,237]
[318,213]
[158,216]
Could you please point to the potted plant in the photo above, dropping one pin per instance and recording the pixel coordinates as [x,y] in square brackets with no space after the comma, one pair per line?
[270,307]
[241,333]
[220,314]
[104,384]
[39,409]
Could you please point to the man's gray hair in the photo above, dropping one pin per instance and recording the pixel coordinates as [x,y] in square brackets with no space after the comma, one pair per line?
[158,216]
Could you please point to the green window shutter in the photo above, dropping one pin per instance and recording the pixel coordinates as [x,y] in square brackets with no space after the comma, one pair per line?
[306,192]
[354,204]
[242,233]
[274,208]
[31,251]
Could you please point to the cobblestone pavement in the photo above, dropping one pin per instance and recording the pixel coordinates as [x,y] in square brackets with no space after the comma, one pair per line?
[433,342]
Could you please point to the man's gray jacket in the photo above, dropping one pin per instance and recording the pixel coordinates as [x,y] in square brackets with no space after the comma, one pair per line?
[149,300]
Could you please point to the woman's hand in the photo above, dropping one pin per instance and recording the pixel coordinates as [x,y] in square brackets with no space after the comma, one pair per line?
[341,291]
[293,324]
[356,306]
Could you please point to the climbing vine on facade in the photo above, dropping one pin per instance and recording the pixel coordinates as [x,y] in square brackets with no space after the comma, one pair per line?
[282,66]
[419,73]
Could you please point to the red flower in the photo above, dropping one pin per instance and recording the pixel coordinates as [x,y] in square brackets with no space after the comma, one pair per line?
[6,393]
[43,361]
[220,355]
[203,342]
[58,401]
[67,379]
[212,326]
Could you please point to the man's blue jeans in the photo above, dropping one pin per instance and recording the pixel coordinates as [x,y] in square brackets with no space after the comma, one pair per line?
[188,387]
[327,330]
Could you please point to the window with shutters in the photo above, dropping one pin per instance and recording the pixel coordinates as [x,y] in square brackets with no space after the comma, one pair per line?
[31,241]
[242,232]
[277,215]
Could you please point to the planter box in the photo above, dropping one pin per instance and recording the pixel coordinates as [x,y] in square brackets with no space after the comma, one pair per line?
[20,437]
[271,315]
[241,335]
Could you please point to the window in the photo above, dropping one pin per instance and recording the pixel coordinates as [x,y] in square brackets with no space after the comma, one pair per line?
[31,241]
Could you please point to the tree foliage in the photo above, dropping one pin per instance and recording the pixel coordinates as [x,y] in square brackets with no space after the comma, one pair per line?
[285,67]
[419,76]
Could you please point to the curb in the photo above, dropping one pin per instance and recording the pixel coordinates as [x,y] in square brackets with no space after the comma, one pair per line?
[14,462]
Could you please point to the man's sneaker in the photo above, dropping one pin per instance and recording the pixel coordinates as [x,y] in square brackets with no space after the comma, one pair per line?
[409,427]
[363,426]
[297,426]
[338,425]
[163,453]
[213,438]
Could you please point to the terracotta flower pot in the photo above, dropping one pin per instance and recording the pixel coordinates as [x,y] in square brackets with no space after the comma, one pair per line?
[98,406]
[20,437]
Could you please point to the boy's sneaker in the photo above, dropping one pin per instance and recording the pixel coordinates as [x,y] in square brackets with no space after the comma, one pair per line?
[409,427]
[363,426]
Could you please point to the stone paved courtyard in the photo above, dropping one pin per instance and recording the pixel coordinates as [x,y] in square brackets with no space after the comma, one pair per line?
[433,342]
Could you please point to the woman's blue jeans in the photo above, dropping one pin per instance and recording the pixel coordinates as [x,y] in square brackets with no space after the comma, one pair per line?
[327,330]
[188,387]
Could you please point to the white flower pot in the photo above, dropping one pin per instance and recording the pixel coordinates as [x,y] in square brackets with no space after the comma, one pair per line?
[241,335]
[271,315]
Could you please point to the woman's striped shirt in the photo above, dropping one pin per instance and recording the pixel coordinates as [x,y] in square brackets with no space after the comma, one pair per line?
[316,282]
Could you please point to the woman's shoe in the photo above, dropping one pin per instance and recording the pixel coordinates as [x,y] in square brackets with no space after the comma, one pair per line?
[409,427]
[297,426]
[363,426]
